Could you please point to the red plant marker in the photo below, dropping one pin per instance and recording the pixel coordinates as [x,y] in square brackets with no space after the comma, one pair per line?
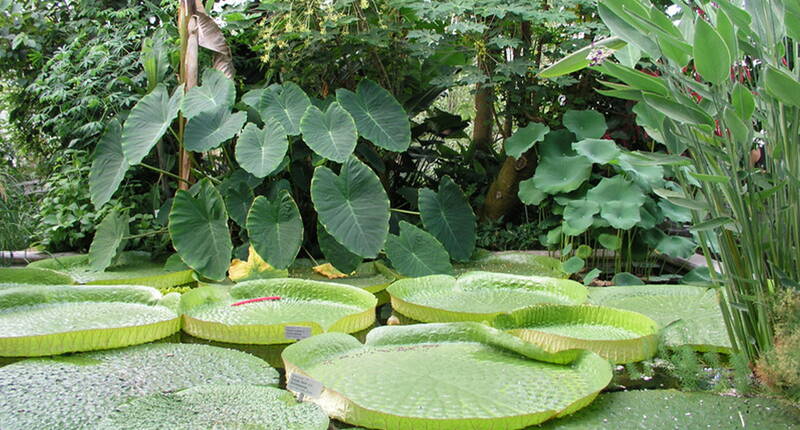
[260,299]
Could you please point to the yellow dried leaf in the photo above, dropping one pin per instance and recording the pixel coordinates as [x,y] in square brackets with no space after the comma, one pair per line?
[327,270]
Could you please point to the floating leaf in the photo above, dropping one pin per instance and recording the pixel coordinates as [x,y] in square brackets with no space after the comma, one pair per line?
[275,229]
[260,151]
[378,115]
[524,139]
[448,216]
[331,134]
[11,277]
[416,253]
[209,129]
[108,165]
[600,151]
[199,230]
[108,239]
[625,278]
[585,124]
[513,262]
[216,93]
[352,206]
[148,121]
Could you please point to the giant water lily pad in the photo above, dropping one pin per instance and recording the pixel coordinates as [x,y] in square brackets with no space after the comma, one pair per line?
[689,315]
[80,390]
[210,406]
[618,335]
[131,268]
[257,312]
[372,276]
[670,409]
[11,276]
[445,376]
[513,262]
[53,319]
[478,296]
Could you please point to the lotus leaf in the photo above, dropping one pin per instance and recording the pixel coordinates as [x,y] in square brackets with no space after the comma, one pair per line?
[378,115]
[524,139]
[677,246]
[16,276]
[619,201]
[478,296]
[416,253]
[579,216]
[448,216]
[560,168]
[617,335]
[513,262]
[529,194]
[445,376]
[689,315]
[372,276]
[256,312]
[53,319]
[670,409]
[64,393]
[131,268]
[207,406]
[586,124]
[600,151]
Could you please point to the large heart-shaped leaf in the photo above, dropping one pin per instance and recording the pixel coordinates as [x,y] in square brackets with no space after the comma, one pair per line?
[217,92]
[448,216]
[286,103]
[525,138]
[275,229]
[352,206]
[148,121]
[339,256]
[261,150]
[416,253]
[378,115]
[108,240]
[238,197]
[208,129]
[331,134]
[199,230]
[108,165]
[586,124]
[619,201]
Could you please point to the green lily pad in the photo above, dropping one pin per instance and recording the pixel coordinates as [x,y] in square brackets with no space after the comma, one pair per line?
[371,276]
[53,319]
[444,376]
[132,268]
[513,262]
[670,409]
[236,314]
[617,335]
[13,276]
[689,315]
[207,406]
[78,391]
[478,296]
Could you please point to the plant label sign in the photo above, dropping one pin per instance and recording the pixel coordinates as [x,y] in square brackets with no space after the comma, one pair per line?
[296,332]
[304,385]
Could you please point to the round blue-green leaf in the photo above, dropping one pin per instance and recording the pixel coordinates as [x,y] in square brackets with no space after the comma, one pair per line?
[378,115]
[573,265]
[529,194]
[286,103]
[619,201]
[559,173]
[108,165]
[339,256]
[448,216]
[352,206]
[108,239]
[578,216]
[208,129]
[148,121]
[525,138]
[711,55]
[677,246]
[625,278]
[331,134]
[275,229]
[199,229]
[609,241]
[416,253]
[217,92]
[600,151]
[261,150]
[586,124]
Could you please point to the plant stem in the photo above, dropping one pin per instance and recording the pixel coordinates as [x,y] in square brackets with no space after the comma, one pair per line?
[163,172]
[403,211]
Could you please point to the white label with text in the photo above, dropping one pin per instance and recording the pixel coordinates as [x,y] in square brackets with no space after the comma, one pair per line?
[304,385]
[296,332]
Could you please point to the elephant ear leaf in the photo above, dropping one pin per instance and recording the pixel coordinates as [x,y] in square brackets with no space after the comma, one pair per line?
[275,229]
[449,217]
[217,92]
[108,240]
[198,226]
[261,150]
[148,121]
[416,253]
[108,165]
[352,206]
[341,259]
[378,115]
[331,134]
[286,103]
[209,129]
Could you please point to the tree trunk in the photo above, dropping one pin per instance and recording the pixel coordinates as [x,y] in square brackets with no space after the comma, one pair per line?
[482,126]
[187,25]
